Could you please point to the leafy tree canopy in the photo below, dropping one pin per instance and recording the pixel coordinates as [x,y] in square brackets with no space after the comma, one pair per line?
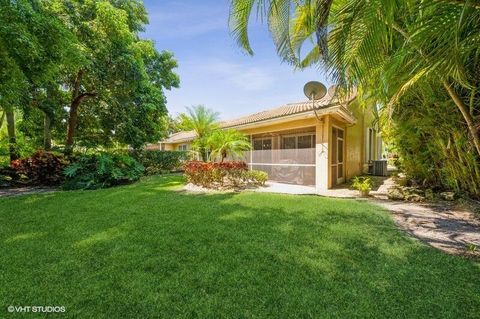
[83,65]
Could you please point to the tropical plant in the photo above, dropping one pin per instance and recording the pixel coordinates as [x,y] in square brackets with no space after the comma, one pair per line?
[203,121]
[362,184]
[389,45]
[102,170]
[435,151]
[227,143]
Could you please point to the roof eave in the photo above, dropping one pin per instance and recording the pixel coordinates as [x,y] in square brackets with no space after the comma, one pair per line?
[345,114]
[278,119]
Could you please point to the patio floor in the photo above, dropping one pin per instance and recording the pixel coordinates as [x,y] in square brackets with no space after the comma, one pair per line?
[282,188]
[341,191]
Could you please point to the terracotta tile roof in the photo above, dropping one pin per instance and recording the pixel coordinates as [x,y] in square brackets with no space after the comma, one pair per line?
[285,110]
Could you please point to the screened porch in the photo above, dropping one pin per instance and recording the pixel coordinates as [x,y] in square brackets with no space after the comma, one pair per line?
[287,156]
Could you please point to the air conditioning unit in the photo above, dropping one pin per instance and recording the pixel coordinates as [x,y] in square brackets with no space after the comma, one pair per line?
[379,168]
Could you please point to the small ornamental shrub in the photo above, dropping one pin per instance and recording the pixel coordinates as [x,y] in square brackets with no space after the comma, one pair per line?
[215,174]
[160,162]
[42,168]
[256,177]
[362,184]
[224,174]
[102,170]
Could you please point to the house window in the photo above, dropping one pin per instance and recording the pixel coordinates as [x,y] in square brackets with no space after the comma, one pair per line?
[162,147]
[183,147]
[261,144]
[306,141]
[289,142]
[262,147]
[298,141]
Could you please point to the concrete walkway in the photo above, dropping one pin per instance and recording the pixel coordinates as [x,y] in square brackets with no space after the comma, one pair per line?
[10,192]
[441,225]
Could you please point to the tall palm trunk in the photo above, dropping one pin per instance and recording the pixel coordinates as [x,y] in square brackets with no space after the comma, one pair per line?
[12,137]
[466,115]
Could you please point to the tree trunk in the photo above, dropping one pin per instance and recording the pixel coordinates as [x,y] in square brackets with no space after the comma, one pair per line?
[77,99]
[466,115]
[73,113]
[1,119]
[72,123]
[47,132]
[12,138]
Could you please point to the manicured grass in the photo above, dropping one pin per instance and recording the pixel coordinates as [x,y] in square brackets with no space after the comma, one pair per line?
[150,250]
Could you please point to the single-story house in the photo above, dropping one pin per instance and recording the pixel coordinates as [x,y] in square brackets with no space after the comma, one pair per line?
[321,143]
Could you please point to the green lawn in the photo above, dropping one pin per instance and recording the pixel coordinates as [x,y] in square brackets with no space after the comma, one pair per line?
[150,250]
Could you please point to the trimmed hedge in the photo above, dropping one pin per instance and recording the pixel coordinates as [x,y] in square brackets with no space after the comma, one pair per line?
[224,174]
[157,162]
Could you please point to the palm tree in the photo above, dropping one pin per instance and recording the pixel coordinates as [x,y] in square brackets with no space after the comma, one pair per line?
[384,47]
[225,143]
[203,121]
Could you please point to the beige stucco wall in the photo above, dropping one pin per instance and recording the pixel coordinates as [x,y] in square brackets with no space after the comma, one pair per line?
[355,143]
[355,152]
[290,125]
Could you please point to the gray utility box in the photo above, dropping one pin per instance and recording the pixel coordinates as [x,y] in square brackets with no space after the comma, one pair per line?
[379,168]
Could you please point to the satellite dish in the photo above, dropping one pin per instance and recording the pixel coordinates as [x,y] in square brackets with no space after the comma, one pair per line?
[314,90]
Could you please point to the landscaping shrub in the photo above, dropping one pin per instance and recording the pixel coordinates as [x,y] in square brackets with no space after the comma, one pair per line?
[230,174]
[8,177]
[256,177]
[363,184]
[435,152]
[102,170]
[157,162]
[42,168]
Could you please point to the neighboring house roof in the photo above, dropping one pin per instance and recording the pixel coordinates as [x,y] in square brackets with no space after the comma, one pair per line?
[179,137]
[328,104]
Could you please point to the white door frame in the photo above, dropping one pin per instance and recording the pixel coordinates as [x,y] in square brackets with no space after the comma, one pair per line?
[339,149]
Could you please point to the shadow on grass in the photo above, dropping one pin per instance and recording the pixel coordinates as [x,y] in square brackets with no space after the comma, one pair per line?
[147,250]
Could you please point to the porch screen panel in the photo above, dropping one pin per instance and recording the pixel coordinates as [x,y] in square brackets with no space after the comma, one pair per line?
[299,175]
[293,166]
